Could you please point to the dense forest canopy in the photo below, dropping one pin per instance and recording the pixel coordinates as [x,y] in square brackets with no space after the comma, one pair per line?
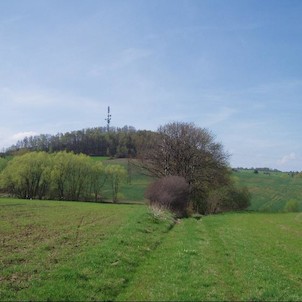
[118,142]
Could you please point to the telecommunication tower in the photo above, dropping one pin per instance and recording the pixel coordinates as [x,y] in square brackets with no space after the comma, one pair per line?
[108,119]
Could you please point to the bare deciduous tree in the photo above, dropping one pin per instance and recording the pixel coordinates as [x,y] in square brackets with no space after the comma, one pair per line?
[188,151]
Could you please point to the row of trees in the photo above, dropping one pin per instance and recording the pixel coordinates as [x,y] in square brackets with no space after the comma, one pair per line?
[192,168]
[62,175]
[118,142]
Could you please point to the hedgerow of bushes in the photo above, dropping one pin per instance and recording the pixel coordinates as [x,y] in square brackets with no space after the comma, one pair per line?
[172,193]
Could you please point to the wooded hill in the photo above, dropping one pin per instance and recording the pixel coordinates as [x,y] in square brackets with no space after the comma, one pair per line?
[118,142]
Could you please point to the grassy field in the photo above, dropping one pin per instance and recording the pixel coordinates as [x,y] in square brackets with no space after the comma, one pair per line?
[232,257]
[72,251]
[270,193]
[54,250]
[133,189]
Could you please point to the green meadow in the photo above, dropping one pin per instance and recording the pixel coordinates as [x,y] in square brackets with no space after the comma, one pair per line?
[134,186]
[69,251]
[271,192]
[53,250]
[238,257]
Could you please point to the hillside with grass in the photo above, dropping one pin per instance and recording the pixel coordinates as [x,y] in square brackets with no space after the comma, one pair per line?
[134,186]
[271,192]
[53,250]
[67,251]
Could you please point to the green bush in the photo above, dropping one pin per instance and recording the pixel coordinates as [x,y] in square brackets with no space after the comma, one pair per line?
[3,163]
[292,206]
[227,198]
[62,175]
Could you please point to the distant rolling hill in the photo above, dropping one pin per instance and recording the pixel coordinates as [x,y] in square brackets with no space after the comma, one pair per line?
[271,192]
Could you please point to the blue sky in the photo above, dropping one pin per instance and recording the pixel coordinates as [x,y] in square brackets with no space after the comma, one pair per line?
[234,67]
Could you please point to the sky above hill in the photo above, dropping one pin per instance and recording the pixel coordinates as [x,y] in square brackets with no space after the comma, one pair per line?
[234,67]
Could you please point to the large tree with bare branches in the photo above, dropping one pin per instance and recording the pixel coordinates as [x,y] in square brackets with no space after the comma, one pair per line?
[186,150]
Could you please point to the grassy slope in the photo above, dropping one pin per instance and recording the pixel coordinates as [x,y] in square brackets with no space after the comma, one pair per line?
[225,257]
[82,251]
[270,193]
[72,251]
[133,189]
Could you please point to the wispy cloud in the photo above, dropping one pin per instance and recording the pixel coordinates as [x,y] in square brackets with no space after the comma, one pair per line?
[36,111]
[8,138]
[21,135]
[287,158]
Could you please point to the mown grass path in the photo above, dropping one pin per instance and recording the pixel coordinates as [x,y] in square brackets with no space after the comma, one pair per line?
[235,257]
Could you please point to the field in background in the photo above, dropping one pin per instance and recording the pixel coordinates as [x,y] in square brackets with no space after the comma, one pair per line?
[51,250]
[271,192]
[133,189]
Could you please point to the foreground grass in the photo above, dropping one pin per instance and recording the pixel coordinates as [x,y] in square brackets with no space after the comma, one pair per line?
[72,251]
[238,257]
[56,251]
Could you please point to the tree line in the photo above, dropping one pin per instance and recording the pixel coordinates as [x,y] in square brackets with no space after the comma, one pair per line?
[61,176]
[118,142]
[192,169]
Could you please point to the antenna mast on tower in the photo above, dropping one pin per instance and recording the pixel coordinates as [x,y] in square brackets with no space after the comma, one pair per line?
[108,119]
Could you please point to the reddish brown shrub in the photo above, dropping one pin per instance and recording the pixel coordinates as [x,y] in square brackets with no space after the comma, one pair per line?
[171,192]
